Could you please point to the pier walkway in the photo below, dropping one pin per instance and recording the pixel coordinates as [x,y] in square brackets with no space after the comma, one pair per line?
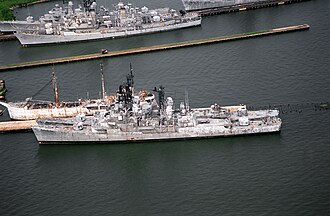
[155,48]
[11,126]
[213,9]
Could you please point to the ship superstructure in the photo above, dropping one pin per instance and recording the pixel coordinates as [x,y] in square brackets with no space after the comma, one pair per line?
[56,15]
[93,22]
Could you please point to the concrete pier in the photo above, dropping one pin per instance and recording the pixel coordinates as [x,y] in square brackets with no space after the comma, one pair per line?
[12,126]
[156,47]
[243,7]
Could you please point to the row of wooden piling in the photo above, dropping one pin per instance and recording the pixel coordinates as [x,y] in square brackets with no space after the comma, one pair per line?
[244,6]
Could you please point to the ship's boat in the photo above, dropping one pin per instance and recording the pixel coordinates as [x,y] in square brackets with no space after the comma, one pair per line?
[92,23]
[144,117]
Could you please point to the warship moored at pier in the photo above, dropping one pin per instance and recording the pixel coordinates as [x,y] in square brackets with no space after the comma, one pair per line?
[91,23]
[143,117]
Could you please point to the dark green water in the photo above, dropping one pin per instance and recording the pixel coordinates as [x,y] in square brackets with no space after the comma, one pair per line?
[280,174]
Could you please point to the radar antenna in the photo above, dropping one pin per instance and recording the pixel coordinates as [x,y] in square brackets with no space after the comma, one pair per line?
[87,4]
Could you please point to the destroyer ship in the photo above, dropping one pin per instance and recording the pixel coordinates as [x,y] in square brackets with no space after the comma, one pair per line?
[91,23]
[143,117]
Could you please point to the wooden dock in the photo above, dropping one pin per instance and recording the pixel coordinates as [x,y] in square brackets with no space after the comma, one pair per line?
[156,47]
[4,37]
[12,126]
[243,7]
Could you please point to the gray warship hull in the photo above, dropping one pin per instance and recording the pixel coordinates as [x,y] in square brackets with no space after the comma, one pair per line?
[199,124]
[29,39]
[45,136]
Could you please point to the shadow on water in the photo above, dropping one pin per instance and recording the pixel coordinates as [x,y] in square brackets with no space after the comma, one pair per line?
[165,148]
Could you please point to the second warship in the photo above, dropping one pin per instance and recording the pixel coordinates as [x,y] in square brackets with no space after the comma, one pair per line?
[91,23]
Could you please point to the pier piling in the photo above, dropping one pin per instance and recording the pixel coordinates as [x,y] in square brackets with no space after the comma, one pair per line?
[215,10]
[4,37]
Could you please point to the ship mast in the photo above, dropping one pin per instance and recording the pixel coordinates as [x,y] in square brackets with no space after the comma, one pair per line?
[130,79]
[161,97]
[186,100]
[55,87]
[104,94]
